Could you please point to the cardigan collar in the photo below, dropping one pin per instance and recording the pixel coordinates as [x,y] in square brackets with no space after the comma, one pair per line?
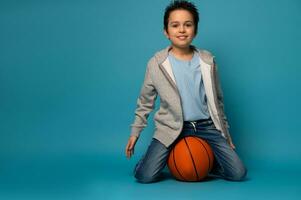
[205,55]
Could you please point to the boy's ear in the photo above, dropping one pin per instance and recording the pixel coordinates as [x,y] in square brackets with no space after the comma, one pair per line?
[165,33]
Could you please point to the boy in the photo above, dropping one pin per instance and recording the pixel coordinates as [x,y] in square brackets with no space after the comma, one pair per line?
[191,101]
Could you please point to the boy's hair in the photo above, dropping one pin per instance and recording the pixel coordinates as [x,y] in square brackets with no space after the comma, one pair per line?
[182,5]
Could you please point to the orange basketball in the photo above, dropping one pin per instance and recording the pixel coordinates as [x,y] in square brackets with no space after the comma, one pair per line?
[191,159]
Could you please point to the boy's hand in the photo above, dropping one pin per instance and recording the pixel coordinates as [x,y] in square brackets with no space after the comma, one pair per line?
[232,145]
[129,150]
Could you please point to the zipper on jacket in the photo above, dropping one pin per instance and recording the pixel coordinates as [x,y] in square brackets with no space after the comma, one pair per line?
[174,87]
[169,79]
[221,119]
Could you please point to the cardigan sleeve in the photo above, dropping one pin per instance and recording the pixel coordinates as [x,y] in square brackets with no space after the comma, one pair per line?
[145,102]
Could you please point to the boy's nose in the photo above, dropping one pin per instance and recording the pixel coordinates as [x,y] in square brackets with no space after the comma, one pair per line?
[182,29]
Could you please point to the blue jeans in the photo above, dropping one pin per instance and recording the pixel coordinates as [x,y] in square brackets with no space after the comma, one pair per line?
[227,164]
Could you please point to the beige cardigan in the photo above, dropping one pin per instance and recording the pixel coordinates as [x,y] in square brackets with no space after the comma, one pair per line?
[159,79]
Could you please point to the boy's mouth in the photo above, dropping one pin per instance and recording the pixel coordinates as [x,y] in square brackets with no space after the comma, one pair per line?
[182,37]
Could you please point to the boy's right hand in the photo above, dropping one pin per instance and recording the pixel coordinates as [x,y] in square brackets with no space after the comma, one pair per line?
[129,150]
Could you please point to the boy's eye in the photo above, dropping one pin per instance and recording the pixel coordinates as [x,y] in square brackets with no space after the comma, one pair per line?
[176,25]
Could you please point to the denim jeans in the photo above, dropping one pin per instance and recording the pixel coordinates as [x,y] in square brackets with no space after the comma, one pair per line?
[227,164]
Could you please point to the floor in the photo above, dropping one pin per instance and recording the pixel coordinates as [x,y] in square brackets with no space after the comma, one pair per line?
[107,177]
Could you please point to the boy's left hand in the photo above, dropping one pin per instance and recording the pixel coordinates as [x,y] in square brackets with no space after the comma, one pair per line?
[232,145]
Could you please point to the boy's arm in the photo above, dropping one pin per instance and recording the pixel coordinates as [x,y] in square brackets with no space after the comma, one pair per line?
[220,98]
[145,103]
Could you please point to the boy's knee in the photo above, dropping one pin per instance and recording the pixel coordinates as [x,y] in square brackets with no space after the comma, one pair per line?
[145,178]
[238,175]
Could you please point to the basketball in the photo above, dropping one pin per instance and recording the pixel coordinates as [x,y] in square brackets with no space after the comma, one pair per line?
[191,159]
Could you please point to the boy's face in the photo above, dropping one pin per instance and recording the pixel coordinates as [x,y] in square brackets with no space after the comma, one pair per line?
[180,28]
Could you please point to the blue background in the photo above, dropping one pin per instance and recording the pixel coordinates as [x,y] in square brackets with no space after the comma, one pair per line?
[71,72]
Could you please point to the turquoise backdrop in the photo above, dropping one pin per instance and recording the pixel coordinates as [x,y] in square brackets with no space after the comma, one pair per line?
[71,72]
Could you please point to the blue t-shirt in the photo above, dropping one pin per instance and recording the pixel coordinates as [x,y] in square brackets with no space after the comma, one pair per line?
[190,85]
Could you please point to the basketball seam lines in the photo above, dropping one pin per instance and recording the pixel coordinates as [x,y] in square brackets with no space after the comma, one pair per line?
[207,154]
[174,160]
[192,159]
